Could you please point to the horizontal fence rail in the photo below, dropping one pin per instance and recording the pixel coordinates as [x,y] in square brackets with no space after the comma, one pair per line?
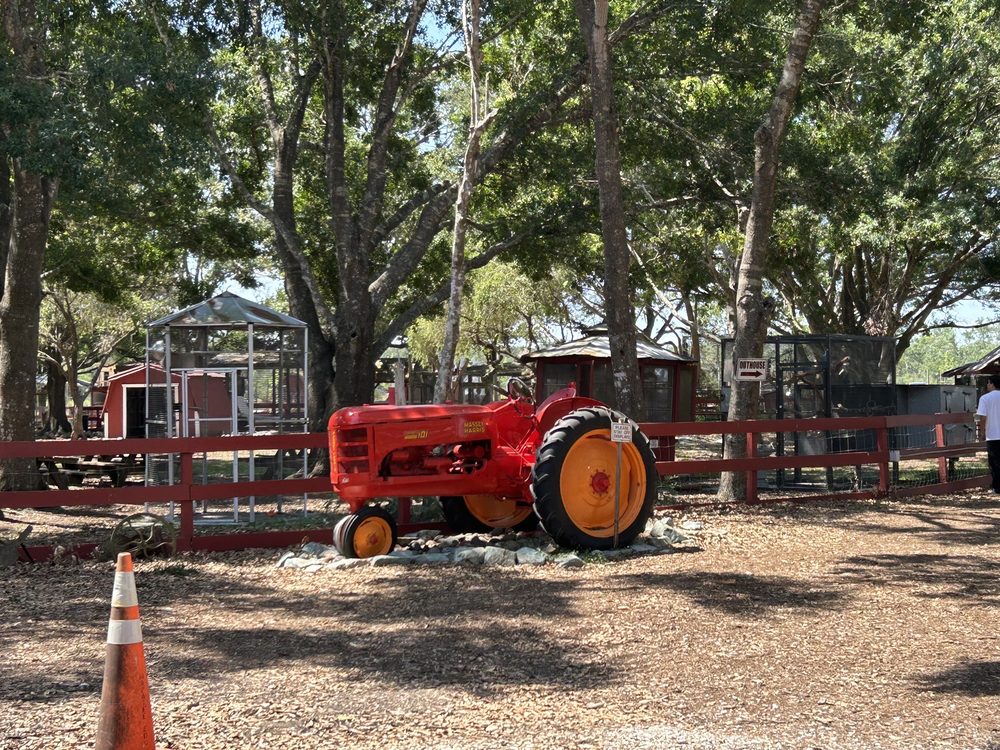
[883,455]
[186,490]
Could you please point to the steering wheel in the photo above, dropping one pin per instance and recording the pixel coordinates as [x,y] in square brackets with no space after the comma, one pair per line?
[518,390]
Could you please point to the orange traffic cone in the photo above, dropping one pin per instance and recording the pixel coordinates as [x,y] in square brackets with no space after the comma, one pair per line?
[126,719]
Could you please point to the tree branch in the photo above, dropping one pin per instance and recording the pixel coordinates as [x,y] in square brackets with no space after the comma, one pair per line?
[297,114]
[385,116]
[388,226]
[264,76]
[289,237]
[403,263]
[439,295]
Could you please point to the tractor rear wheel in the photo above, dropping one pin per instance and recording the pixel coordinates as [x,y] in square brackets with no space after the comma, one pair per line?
[573,481]
[367,533]
[476,513]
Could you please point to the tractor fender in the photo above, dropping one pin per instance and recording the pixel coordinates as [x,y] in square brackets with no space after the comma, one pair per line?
[554,409]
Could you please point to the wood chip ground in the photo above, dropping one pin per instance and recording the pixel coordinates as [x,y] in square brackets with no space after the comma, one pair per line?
[851,626]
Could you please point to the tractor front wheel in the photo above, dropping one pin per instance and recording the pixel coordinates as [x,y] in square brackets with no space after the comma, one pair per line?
[477,513]
[367,533]
[573,481]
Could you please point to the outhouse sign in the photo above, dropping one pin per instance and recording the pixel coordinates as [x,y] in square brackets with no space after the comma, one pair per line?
[752,369]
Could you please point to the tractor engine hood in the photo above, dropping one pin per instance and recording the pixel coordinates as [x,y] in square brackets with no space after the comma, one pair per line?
[352,416]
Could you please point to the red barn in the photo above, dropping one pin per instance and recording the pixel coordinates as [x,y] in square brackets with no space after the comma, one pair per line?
[123,412]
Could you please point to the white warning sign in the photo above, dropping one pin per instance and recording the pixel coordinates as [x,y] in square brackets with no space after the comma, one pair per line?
[621,432]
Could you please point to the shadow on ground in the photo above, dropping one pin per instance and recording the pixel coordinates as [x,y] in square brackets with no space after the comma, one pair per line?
[739,593]
[951,521]
[952,529]
[976,679]
[475,631]
[965,577]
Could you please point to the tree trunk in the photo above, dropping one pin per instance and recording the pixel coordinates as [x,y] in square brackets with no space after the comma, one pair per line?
[19,310]
[619,310]
[691,311]
[55,393]
[300,301]
[478,122]
[78,398]
[6,216]
[753,310]
[354,379]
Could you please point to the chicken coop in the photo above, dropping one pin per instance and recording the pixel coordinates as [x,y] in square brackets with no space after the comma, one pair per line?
[226,366]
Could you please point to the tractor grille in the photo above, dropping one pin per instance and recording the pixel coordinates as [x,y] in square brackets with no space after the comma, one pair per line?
[350,448]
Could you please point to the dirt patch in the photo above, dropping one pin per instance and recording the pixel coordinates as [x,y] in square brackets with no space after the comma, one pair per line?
[852,626]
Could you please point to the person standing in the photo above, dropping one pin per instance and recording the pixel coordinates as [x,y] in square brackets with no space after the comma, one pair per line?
[988,415]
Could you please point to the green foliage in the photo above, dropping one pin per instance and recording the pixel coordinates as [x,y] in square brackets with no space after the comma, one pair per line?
[888,208]
[931,354]
[505,314]
[891,167]
[117,118]
[928,356]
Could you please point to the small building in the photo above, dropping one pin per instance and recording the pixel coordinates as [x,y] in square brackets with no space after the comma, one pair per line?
[976,373]
[669,380]
[123,397]
[233,366]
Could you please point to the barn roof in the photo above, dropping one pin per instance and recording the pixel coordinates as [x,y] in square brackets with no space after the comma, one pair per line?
[595,343]
[987,365]
[227,310]
[140,367]
[128,371]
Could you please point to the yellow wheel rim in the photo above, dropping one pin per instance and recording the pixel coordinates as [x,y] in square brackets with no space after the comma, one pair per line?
[586,484]
[495,512]
[373,537]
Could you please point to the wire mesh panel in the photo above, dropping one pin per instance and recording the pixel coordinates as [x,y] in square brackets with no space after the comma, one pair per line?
[816,377]
[235,367]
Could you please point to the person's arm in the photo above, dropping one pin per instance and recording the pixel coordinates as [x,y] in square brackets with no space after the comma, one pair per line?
[980,421]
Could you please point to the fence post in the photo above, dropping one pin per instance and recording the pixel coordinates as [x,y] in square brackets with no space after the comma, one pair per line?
[751,475]
[882,443]
[404,506]
[939,441]
[186,540]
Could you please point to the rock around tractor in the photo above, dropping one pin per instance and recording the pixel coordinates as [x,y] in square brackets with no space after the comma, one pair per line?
[506,464]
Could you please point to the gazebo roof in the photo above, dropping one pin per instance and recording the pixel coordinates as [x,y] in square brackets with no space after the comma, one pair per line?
[227,310]
[987,365]
[596,344]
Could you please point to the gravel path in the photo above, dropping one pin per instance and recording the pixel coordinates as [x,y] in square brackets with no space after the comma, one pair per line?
[858,626]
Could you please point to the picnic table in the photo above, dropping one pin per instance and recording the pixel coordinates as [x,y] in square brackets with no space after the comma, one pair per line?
[72,470]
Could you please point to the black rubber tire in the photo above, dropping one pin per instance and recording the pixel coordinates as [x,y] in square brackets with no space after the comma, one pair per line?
[461,521]
[338,533]
[545,479]
[344,531]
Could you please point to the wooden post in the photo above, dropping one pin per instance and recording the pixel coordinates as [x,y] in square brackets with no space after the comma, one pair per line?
[751,475]
[186,539]
[403,507]
[882,444]
[939,441]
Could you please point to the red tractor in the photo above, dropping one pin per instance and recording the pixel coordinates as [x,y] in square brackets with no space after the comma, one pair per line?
[502,465]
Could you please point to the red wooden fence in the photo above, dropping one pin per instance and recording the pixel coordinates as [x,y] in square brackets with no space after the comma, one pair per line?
[881,456]
[186,490]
